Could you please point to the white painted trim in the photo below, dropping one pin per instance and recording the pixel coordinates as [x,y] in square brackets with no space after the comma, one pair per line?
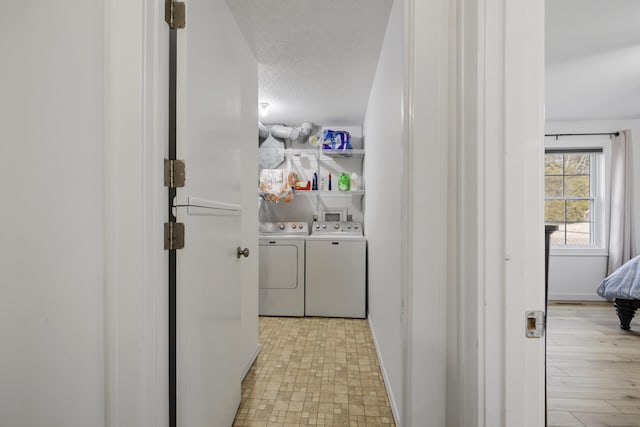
[425,205]
[392,399]
[561,296]
[110,221]
[155,109]
[523,123]
[466,397]
[500,233]
[249,363]
[491,216]
[135,265]
[593,252]
[406,207]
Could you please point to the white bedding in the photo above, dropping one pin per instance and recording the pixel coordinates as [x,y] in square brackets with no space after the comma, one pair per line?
[624,283]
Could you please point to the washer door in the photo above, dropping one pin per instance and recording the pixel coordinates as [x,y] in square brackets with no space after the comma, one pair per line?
[278,266]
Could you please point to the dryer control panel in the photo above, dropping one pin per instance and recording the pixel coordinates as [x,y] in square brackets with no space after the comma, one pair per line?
[292,228]
[351,228]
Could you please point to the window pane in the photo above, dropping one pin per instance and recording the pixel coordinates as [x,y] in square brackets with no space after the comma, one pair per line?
[553,186]
[554,210]
[579,234]
[578,210]
[569,178]
[577,163]
[576,186]
[557,237]
[553,164]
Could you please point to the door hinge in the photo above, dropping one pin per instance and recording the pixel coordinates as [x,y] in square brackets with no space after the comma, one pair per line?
[173,173]
[173,236]
[535,324]
[175,14]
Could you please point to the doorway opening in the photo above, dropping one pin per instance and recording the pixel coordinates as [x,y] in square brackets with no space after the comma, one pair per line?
[326,68]
[590,99]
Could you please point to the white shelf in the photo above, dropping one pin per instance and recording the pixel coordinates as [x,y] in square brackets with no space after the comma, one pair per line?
[342,153]
[332,193]
[330,161]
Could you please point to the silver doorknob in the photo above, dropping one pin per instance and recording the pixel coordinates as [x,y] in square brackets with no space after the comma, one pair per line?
[240,252]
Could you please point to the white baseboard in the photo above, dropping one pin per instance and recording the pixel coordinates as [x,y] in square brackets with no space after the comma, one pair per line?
[392,399]
[562,296]
[250,361]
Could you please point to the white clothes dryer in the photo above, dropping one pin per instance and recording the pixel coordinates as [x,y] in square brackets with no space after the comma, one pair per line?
[282,268]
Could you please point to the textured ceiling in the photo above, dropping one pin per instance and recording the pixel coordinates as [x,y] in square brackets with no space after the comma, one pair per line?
[593,59]
[316,58]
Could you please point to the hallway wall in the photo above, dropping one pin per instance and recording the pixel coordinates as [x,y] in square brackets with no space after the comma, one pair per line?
[383,129]
[51,257]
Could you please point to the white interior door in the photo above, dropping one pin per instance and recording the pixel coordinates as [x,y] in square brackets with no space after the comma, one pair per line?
[208,319]
[213,71]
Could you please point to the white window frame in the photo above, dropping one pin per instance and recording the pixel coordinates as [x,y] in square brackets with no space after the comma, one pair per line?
[600,172]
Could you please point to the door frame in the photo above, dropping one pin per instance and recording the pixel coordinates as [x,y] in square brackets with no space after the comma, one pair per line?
[474,125]
[136,131]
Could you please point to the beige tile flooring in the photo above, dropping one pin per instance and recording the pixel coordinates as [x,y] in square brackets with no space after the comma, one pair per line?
[593,367]
[314,371]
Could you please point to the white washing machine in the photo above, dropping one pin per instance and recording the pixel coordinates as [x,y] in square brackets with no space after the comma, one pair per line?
[282,268]
[336,270]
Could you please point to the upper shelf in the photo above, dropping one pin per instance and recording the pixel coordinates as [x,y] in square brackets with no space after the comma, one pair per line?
[343,153]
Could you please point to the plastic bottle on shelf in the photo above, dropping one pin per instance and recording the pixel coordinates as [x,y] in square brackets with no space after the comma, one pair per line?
[322,184]
[329,182]
[344,182]
[354,181]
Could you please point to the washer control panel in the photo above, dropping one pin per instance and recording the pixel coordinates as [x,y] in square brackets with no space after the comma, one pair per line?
[284,228]
[337,227]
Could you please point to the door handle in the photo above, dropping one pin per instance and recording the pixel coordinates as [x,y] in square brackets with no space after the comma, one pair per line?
[240,252]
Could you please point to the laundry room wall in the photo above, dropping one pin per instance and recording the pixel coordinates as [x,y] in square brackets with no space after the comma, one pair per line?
[383,130]
[52,257]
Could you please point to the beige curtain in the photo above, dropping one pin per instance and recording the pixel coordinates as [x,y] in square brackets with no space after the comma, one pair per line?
[621,224]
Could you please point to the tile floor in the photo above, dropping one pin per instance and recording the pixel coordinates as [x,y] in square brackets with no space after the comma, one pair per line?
[314,371]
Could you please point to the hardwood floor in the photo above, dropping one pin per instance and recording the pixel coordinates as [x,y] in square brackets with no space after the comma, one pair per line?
[593,366]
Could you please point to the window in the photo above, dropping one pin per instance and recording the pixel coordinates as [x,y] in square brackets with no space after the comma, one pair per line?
[571,196]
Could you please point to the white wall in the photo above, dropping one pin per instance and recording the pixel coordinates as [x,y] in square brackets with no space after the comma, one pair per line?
[51,257]
[573,276]
[383,129]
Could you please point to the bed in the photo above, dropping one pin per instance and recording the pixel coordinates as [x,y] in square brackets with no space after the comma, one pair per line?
[623,287]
